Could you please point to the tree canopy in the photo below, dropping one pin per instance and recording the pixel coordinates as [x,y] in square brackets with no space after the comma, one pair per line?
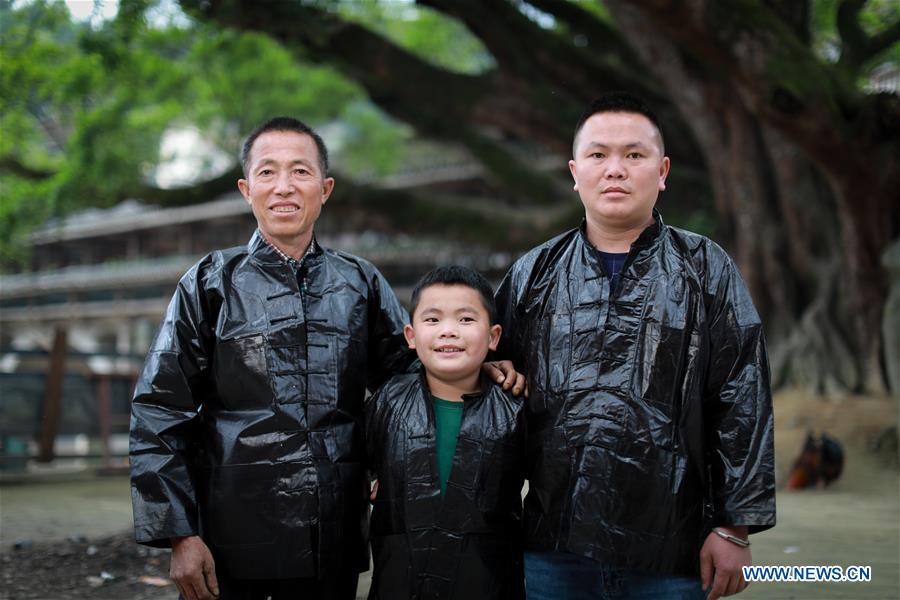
[782,129]
[86,109]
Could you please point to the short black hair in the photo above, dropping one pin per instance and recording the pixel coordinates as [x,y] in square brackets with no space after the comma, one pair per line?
[284,124]
[620,102]
[456,275]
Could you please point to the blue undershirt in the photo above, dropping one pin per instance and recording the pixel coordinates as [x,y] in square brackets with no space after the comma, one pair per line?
[612,265]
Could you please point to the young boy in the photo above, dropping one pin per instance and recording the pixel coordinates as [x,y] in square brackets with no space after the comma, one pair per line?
[447,446]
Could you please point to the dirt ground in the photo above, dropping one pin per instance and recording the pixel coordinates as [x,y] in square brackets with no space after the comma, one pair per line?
[73,533]
[856,520]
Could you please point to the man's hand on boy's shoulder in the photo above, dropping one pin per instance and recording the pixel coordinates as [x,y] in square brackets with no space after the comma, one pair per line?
[504,373]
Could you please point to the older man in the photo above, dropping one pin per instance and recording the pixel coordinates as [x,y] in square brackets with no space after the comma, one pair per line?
[650,419]
[246,437]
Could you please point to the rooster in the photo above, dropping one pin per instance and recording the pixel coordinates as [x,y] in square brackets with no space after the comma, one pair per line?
[820,462]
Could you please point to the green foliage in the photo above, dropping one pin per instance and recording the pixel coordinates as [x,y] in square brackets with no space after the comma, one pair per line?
[33,129]
[430,35]
[85,106]
[874,17]
[242,79]
[373,144]
[598,9]
[21,209]
[826,41]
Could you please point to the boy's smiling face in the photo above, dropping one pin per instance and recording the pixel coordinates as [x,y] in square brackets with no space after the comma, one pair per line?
[451,332]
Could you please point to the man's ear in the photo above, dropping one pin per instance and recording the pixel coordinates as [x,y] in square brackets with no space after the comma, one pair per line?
[244,187]
[327,188]
[496,330]
[573,169]
[663,172]
[410,336]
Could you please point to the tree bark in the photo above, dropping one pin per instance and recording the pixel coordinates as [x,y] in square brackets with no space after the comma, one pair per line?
[775,97]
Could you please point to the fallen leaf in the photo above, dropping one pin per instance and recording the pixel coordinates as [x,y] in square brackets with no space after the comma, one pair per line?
[155,581]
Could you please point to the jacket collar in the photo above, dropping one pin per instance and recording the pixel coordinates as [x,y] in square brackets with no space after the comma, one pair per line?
[653,232]
[267,254]
[484,383]
[648,238]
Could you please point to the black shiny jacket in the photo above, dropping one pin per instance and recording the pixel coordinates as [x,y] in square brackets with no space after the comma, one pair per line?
[247,421]
[465,545]
[650,414]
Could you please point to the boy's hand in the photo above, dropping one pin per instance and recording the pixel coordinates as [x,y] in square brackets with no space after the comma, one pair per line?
[503,372]
[374,491]
[721,562]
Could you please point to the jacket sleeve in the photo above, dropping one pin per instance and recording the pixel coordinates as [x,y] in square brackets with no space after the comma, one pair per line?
[374,426]
[737,404]
[512,323]
[164,415]
[388,353]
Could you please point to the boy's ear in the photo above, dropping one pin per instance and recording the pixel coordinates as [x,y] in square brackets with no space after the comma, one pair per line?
[410,336]
[495,332]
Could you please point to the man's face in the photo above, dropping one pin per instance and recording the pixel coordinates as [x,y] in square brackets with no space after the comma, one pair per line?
[619,169]
[451,332]
[285,186]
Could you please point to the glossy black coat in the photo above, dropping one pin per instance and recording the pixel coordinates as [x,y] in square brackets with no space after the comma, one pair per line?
[247,421]
[463,545]
[650,415]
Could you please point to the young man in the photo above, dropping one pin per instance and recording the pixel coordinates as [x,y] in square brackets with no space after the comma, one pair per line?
[447,446]
[246,426]
[650,418]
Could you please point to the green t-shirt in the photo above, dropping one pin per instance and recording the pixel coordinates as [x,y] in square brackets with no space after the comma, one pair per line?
[447,418]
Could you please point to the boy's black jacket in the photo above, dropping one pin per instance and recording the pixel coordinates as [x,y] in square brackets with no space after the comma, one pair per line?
[466,544]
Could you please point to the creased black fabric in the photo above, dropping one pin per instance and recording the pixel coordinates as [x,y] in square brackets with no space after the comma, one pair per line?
[466,544]
[247,421]
[650,416]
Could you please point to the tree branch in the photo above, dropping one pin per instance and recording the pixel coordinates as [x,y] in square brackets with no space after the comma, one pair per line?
[48,124]
[780,79]
[619,54]
[382,67]
[795,14]
[853,39]
[528,51]
[13,165]
[474,220]
[857,46]
[600,36]
[440,103]
[201,192]
[883,40]
[417,209]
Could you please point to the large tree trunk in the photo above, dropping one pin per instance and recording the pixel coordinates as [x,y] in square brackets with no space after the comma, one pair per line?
[807,245]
